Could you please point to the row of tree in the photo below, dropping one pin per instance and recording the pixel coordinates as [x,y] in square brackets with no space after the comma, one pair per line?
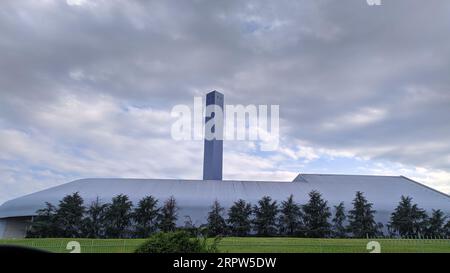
[120,219]
[313,219]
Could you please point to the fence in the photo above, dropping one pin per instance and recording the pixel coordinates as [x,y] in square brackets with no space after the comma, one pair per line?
[85,245]
[252,245]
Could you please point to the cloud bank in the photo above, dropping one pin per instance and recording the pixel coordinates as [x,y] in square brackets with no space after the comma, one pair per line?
[86,87]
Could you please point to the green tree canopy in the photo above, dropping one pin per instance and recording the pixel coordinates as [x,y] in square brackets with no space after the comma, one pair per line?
[339,229]
[168,215]
[43,225]
[118,217]
[289,221]
[239,218]
[69,216]
[145,217]
[362,217]
[447,229]
[265,216]
[216,223]
[315,216]
[94,221]
[435,224]
[408,219]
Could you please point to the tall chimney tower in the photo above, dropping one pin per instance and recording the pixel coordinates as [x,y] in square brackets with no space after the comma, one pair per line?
[213,151]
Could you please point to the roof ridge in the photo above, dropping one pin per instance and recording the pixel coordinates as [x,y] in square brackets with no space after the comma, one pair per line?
[337,174]
[425,186]
[176,179]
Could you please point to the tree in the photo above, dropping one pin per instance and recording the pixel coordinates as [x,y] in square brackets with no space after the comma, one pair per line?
[362,217]
[118,217]
[239,218]
[447,229]
[168,216]
[94,221]
[145,217]
[408,219]
[290,218]
[69,216]
[265,216]
[216,223]
[435,224]
[338,227]
[193,230]
[43,225]
[315,216]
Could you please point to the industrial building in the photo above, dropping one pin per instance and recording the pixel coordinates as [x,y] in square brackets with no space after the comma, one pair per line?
[194,197]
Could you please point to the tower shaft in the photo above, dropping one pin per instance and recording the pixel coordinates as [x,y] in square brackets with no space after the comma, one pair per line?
[213,148]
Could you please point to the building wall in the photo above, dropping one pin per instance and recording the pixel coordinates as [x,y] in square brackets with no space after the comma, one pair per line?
[14,227]
[2,227]
[195,197]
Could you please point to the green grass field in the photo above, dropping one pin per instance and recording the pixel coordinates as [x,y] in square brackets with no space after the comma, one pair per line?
[251,245]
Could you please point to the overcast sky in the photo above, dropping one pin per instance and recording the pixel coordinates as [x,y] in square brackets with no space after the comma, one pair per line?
[87,87]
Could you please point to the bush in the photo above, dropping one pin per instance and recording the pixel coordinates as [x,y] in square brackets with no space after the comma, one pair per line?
[176,242]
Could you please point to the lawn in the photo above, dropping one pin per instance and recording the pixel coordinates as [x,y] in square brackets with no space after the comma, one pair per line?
[251,245]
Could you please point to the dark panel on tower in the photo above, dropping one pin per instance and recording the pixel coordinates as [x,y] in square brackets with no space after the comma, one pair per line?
[213,150]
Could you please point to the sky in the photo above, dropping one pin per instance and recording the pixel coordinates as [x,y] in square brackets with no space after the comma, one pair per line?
[87,87]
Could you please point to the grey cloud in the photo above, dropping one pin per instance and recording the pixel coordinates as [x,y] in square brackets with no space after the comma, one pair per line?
[321,61]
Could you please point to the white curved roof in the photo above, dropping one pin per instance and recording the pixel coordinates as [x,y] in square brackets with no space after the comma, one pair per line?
[194,197]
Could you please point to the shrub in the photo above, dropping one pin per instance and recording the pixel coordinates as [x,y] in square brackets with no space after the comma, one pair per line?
[176,242]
